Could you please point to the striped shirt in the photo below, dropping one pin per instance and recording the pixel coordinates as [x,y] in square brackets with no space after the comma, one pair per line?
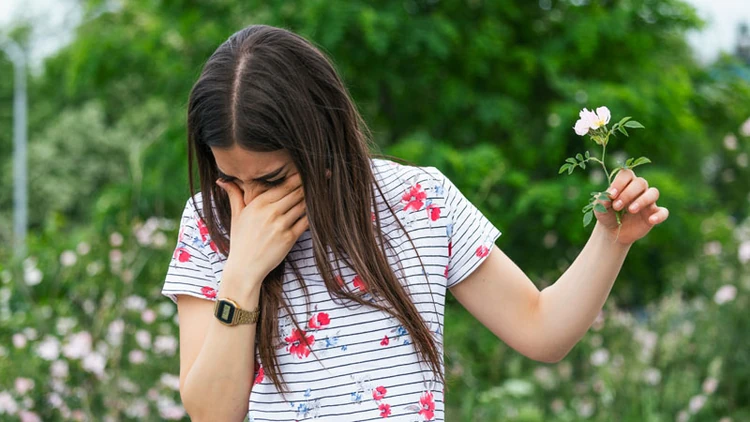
[360,364]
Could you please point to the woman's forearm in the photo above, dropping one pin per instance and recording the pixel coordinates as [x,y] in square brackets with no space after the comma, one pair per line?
[217,388]
[569,306]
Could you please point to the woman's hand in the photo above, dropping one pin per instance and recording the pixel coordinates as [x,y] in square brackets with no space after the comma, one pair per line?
[633,195]
[264,230]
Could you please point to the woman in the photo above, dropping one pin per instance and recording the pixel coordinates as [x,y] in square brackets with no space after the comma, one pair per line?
[330,303]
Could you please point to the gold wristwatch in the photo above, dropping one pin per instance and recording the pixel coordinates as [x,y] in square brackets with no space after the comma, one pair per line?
[229,313]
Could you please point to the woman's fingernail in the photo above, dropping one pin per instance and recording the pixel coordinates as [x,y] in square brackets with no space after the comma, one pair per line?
[612,192]
[618,204]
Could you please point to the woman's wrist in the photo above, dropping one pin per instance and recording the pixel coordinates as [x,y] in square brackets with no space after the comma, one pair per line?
[243,288]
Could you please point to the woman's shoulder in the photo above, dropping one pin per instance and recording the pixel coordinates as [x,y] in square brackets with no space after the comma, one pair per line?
[392,173]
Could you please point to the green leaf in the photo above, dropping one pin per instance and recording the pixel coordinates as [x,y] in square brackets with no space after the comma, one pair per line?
[624,132]
[634,125]
[623,120]
[628,162]
[600,208]
[570,170]
[571,160]
[587,155]
[563,168]
[641,160]
[604,196]
[582,164]
[579,157]
[587,218]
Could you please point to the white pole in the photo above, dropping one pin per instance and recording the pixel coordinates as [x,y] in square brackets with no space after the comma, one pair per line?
[20,188]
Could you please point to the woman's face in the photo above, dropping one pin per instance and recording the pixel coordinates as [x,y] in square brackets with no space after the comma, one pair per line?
[253,172]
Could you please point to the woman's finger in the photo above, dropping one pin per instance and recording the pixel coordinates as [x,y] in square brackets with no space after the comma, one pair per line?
[277,193]
[236,201]
[659,216]
[294,213]
[290,200]
[633,190]
[647,198]
[623,178]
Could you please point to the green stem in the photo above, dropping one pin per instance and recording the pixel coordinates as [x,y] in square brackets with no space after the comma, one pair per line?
[604,151]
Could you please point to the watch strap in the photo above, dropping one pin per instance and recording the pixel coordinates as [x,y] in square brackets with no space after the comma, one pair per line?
[228,312]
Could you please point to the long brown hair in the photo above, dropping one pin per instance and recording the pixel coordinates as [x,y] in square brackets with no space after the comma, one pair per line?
[267,89]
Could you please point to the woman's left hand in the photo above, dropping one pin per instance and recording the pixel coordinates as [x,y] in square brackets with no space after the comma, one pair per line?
[633,195]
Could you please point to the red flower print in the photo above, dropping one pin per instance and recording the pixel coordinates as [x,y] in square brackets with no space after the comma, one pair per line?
[299,343]
[450,248]
[379,393]
[182,255]
[483,251]
[427,406]
[385,341]
[433,211]
[359,284]
[259,373]
[319,321]
[340,280]
[208,292]
[202,229]
[372,216]
[446,271]
[414,198]
[213,247]
[385,410]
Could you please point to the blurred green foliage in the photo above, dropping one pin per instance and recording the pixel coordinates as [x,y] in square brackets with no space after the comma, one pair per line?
[487,91]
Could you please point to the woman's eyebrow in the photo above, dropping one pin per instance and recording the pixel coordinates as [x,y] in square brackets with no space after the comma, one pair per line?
[266,177]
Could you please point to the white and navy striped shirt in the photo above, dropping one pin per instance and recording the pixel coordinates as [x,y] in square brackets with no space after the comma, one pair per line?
[360,365]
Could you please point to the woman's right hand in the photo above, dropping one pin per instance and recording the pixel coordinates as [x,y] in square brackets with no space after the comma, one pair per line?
[264,230]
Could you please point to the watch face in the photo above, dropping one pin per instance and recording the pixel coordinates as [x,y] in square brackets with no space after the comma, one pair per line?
[225,312]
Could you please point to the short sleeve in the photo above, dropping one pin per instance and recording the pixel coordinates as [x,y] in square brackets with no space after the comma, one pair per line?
[470,234]
[190,271]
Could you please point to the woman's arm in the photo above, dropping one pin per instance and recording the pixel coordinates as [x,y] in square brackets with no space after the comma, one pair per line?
[544,325]
[216,361]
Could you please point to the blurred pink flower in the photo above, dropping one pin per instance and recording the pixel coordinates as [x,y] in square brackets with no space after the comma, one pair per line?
[697,403]
[709,385]
[27,416]
[55,400]
[24,385]
[599,357]
[143,338]
[59,369]
[683,416]
[585,407]
[745,129]
[115,239]
[170,381]
[136,356]
[148,316]
[68,258]
[135,303]
[114,335]
[165,345]
[83,248]
[95,363]
[730,142]
[19,340]
[652,376]
[7,404]
[78,345]
[743,254]
[726,293]
[712,248]
[173,412]
[49,348]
